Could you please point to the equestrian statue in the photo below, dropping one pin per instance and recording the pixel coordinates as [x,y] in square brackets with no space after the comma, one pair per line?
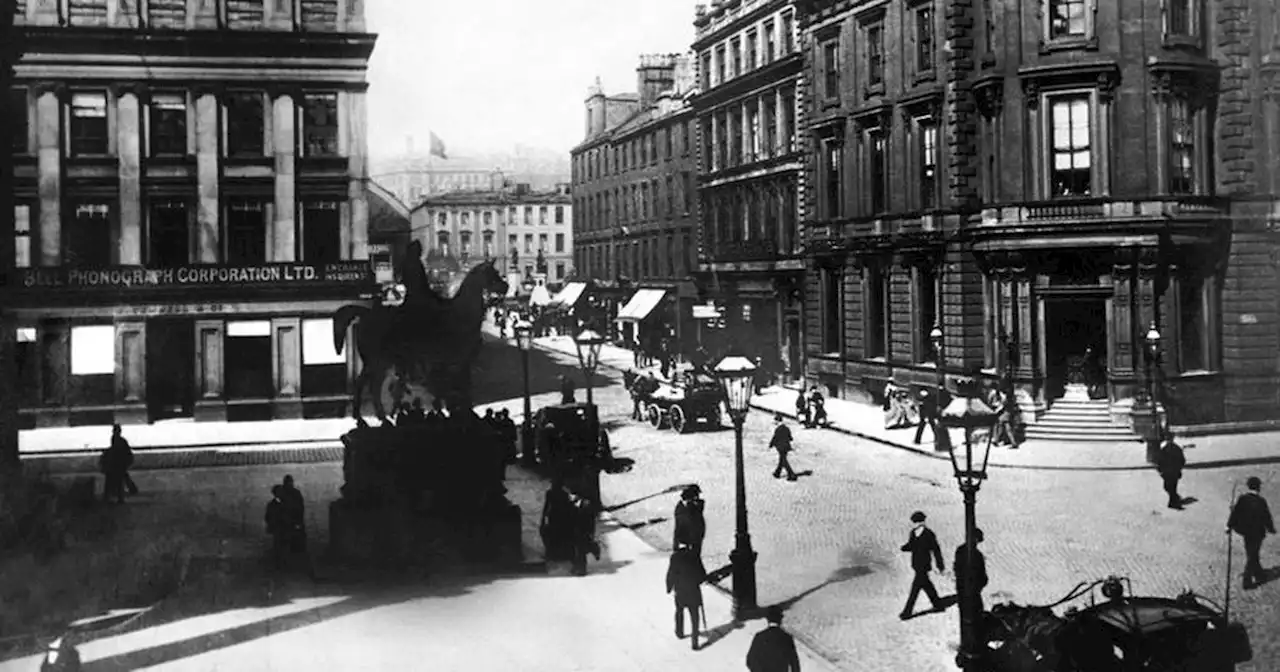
[429,338]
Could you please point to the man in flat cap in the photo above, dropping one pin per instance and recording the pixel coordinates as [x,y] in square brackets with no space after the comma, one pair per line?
[1251,519]
[922,544]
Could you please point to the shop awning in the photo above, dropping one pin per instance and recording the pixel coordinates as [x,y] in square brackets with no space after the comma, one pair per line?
[641,304]
[570,295]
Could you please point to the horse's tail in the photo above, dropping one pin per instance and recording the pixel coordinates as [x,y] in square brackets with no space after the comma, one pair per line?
[343,319]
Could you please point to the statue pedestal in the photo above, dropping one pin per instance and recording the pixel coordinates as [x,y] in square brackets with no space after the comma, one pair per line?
[1077,392]
[424,494]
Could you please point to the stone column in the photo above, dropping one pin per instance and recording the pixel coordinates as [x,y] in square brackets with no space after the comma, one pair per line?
[714,159]
[44,12]
[49,166]
[778,139]
[210,400]
[1026,322]
[202,14]
[279,14]
[286,367]
[131,372]
[129,169]
[283,227]
[354,16]
[208,242]
[356,123]
[1122,357]
[123,13]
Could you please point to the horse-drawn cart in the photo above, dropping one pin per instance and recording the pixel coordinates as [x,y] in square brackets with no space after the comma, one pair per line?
[1125,633]
[696,401]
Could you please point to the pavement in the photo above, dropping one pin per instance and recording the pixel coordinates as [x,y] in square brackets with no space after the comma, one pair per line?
[617,618]
[867,422]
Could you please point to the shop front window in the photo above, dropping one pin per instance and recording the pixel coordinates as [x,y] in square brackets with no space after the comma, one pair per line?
[324,370]
[248,360]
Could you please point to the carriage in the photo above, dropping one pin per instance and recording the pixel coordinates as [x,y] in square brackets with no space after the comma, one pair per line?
[696,401]
[1125,633]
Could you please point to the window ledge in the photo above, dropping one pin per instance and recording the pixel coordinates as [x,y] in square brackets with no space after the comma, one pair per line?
[1198,373]
[1071,43]
[925,76]
[1175,41]
[873,90]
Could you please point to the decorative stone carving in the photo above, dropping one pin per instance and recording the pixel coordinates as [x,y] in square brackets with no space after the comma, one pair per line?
[1107,81]
[1031,91]
[988,93]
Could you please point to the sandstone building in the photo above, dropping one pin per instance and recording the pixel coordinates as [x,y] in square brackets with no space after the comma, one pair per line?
[191,207]
[1045,181]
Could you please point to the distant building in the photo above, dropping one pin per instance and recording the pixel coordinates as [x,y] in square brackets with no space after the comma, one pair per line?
[191,208]
[634,187]
[412,179]
[528,234]
[751,172]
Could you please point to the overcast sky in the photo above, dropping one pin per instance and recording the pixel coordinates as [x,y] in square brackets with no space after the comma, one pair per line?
[485,75]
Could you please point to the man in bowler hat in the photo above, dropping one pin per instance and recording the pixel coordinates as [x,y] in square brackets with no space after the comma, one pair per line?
[1251,519]
[781,442]
[924,550]
[962,569]
[690,523]
[773,649]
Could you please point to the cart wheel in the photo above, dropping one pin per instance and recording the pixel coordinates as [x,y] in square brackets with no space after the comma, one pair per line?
[655,416]
[679,421]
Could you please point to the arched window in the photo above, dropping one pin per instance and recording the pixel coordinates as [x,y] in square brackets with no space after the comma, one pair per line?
[442,242]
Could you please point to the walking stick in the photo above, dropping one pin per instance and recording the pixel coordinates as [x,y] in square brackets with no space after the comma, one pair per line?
[1226,600]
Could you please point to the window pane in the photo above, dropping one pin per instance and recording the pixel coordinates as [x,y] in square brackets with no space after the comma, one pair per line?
[246,233]
[22,236]
[87,243]
[21,118]
[245,124]
[168,124]
[321,235]
[167,13]
[252,328]
[320,14]
[93,350]
[88,123]
[244,13]
[317,343]
[320,124]
[1192,321]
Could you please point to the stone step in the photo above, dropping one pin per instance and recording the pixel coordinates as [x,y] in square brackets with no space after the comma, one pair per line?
[1041,430]
[1082,438]
[1079,412]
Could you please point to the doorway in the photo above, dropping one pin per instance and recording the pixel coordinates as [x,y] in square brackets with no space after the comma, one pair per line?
[793,349]
[171,353]
[1075,339]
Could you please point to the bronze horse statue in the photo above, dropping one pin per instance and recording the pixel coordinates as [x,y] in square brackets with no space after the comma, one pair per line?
[428,336]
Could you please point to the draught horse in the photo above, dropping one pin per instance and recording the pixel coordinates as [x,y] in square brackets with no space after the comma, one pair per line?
[431,336]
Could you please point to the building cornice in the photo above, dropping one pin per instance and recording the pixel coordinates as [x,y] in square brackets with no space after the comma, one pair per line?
[251,44]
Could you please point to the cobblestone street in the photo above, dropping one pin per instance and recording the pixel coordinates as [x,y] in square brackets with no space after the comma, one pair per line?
[832,538]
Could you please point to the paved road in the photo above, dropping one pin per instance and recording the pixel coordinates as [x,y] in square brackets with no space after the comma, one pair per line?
[833,536]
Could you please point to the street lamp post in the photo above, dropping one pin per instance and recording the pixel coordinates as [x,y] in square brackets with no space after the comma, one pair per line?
[589,343]
[1152,341]
[935,338]
[736,375]
[969,412]
[524,339]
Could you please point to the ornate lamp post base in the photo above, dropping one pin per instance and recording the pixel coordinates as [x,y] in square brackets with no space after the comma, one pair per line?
[743,560]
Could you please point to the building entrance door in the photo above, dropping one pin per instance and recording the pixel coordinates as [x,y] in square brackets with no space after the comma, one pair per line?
[793,348]
[171,352]
[1075,341]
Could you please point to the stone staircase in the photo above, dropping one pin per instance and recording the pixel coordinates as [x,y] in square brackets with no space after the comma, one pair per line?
[1079,420]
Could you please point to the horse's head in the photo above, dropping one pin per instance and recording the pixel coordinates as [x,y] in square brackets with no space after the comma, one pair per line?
[489,279]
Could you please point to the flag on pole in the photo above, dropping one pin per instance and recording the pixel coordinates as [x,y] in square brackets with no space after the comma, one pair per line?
[437,146]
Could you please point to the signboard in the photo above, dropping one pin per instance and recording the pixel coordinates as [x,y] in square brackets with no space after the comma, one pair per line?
[204,275]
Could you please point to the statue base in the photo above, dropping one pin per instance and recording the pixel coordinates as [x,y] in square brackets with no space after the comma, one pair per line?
[425,494]
[1077,392]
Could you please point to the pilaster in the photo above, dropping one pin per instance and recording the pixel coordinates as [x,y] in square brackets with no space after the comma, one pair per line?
[357,245]
[49,165]
[56,350]
[210,402]
[283,226]
[123,13]
[45,12]
[354,16]
[131,372]
[1121,349]
[129,169]
[286,367]
[279,14]
[202,14]
[207,131]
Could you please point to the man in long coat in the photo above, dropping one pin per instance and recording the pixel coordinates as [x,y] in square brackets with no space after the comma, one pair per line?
[1170,464]
[690,523]
[685,575]
[773,649]
[1251,519]
[781,442]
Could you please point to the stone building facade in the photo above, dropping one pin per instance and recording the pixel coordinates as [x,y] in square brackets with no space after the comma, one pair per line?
[1045,181]
[190,207]
[528,234]
[634,185]
[750,172]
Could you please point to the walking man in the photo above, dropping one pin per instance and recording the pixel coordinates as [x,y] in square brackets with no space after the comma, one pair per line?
[690,523]
[685,575]
[773,649]
[922,544]
[1251,519]
[929,407]
[962,570]
[781,442]
[1170,464]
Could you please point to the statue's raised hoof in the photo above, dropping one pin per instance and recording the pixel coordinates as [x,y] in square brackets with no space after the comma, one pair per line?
[361,424]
